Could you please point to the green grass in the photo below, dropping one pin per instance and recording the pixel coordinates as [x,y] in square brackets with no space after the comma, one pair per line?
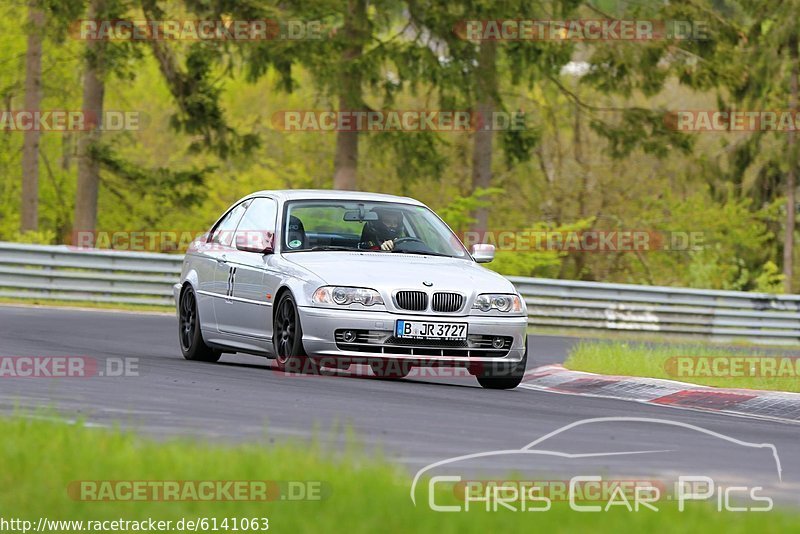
[40,459]
[640,336]
[680,362]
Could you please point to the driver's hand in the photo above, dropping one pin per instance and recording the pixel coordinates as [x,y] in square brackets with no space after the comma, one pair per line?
[387,245]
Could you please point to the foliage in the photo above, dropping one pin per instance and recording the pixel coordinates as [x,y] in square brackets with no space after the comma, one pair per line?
[770,280]
[527,259]
[595,156]
[458,213]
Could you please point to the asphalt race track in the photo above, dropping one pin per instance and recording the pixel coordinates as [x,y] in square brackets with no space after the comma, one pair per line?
[413,422]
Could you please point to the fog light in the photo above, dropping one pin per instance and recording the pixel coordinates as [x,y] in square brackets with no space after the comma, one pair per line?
[349,336]
[498,342]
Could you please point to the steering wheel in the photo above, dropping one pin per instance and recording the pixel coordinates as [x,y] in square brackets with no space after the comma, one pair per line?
[408,240]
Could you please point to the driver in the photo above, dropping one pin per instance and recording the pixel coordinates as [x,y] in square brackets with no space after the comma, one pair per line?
[382,233]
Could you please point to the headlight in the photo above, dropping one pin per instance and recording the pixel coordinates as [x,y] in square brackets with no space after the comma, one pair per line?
[344,296]
[501,302]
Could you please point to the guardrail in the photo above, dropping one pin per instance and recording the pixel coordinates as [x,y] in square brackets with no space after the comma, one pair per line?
[717,315]
[64,273]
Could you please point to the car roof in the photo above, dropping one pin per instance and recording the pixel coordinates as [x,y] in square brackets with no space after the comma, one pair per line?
[333,194]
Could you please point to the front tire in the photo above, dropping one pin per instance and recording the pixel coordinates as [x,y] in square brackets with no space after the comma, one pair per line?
[503,375]
[287,338]
[191,338]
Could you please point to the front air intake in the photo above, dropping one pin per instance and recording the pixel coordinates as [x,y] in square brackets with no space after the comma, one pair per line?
[447,302]
[411,300]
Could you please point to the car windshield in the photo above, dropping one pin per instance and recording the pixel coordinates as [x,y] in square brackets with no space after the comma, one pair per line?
[312,225]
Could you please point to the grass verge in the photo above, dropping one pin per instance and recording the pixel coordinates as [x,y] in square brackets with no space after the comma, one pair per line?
[642,336]
[41,459]
[87,304]
[696,364]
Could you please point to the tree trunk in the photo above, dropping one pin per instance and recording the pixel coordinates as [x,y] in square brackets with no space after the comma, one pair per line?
[345,163]
[33,100]
[88,166]
[583,194]
[788,244]
[484,136]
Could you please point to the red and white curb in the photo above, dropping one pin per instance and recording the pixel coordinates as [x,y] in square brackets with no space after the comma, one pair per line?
[773,405]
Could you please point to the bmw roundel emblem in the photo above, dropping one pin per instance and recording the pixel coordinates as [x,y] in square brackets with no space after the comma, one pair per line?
[427,284]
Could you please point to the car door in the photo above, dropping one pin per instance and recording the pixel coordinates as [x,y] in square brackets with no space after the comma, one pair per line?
[221,251]
[254,281]
[202,260]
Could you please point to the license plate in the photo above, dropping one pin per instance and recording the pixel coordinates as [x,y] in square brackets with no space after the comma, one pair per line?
[426,330]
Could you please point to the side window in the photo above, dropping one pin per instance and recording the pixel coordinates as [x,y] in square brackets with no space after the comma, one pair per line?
[223,232]
[259,217]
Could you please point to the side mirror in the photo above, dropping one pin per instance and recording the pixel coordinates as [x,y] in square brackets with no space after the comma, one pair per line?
[482,253]
[259,242]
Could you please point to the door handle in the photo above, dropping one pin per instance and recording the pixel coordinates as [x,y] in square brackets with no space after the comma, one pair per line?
[222,259]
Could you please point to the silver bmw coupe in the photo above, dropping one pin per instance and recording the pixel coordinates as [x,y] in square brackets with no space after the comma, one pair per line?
[327,278]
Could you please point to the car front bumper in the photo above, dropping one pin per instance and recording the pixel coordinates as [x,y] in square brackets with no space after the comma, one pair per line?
[321,324]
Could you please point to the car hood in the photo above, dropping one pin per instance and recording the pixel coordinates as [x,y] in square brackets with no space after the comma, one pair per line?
[400,271]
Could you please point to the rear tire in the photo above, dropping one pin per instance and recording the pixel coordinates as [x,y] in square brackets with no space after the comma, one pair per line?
[503,376]
[189,334]
[287,338]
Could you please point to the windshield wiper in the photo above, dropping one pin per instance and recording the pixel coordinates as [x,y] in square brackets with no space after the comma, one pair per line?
[331,247]
[423,253]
